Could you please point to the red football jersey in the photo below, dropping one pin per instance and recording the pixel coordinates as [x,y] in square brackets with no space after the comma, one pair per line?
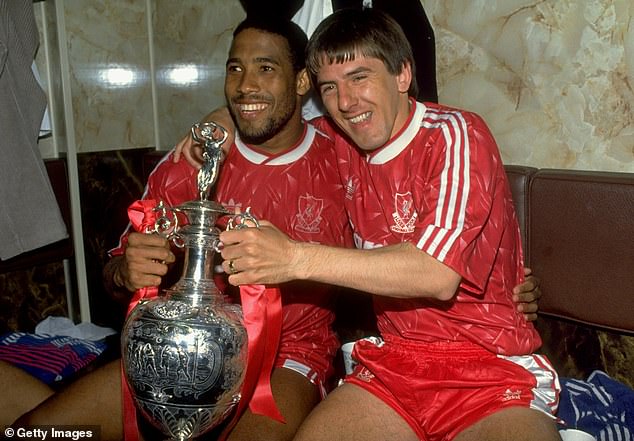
[440,184]
[300,192]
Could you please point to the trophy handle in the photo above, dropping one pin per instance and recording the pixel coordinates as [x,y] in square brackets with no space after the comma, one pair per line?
[241,220]
[164,225]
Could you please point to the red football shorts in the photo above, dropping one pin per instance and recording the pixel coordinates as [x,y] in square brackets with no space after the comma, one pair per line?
[308,347]
[440,389]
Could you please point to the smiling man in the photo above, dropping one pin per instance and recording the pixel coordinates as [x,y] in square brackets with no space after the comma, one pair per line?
[285,170]
[438,248]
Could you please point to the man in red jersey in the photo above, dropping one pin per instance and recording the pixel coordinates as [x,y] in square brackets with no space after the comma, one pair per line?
[438,246]
[285,170]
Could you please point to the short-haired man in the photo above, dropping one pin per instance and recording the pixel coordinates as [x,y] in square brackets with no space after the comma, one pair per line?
[439,249]
[285,170]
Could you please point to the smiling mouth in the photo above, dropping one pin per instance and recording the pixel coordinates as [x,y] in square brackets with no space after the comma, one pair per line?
[360,118]
[257,107]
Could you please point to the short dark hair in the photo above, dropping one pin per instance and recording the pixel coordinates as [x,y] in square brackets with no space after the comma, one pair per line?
[368,32]
[292,33]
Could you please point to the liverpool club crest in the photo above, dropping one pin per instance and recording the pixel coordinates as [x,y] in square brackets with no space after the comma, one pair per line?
[404,215]
[309,216]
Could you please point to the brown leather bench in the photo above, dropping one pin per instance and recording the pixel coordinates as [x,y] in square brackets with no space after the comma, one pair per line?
[578,228]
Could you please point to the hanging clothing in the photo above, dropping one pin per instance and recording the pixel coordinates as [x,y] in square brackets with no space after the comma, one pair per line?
[29,214]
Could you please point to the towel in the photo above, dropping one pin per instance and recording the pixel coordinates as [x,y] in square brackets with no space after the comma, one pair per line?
[50,358]
[600,406]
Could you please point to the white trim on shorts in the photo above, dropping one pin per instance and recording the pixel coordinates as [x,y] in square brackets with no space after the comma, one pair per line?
[307,372]
[547,388]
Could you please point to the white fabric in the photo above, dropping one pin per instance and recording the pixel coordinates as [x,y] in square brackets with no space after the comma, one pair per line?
[45,127]
[308,17]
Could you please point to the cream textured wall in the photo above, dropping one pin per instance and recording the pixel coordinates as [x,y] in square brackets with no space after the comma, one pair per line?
[553,78]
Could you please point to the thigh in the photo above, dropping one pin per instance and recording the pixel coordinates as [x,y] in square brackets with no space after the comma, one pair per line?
[351,413]
[94,399]
[295,396]
[21,392]
[512,424]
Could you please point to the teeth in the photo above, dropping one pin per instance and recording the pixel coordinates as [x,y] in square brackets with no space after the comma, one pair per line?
[360,118]
[252,107]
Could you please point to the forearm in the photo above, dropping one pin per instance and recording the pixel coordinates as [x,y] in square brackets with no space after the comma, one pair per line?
[400,270]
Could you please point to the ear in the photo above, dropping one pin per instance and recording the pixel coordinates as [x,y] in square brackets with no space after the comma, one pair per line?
[303,82]
[404,78]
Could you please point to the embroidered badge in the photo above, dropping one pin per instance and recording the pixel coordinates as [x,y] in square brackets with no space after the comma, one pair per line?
[309,215]
[404,215]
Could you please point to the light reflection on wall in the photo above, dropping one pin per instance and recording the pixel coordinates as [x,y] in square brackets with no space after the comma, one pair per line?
[119,77]
[181,75]
[185,75]
[111,76]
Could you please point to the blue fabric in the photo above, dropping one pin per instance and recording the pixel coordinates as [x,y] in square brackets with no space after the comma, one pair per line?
[49,358]
[600,406]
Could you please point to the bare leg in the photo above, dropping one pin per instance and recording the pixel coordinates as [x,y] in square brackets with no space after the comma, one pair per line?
[94,399]
[512,424]
[295,397]
[351,413]
[21,392]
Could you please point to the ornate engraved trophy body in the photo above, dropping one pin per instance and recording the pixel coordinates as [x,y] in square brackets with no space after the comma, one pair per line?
[184,352]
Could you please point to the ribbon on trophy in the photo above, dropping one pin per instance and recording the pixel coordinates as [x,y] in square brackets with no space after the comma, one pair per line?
[142,215]
[143,218]
[262,312]
[262,316]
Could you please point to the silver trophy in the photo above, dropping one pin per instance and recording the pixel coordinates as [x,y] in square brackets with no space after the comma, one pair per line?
[184,352]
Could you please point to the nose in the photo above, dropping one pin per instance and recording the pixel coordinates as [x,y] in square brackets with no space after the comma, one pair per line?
[346,99]
[248,82]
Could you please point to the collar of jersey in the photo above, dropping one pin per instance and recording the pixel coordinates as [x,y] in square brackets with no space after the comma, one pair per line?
[400,142]
[288,157]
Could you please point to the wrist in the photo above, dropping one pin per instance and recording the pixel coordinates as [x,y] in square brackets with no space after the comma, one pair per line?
[302,268]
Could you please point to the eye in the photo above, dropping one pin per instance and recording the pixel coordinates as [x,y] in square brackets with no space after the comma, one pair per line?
[326,89]
[267,68]
[359,78]
[234,68]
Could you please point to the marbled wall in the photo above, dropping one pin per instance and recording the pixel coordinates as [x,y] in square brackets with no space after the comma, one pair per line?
[139,72]
[554,79]
[28,296]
